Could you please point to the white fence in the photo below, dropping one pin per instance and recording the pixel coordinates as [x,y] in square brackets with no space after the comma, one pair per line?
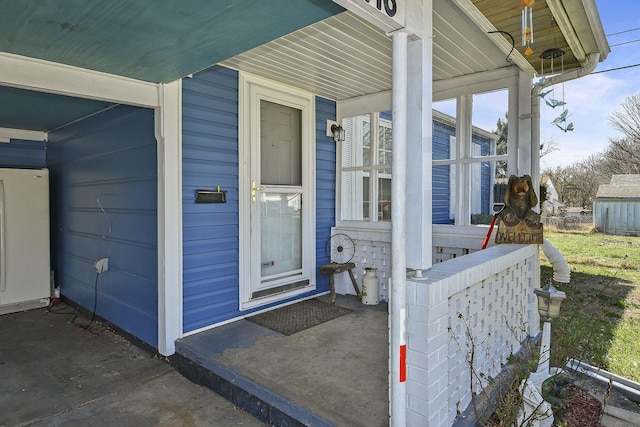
[479,305]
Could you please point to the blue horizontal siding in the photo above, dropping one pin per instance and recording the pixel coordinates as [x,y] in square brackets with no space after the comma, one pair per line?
[104,204]
[485,174]
[211,231]
[23,154]
[325,185]
[440,174]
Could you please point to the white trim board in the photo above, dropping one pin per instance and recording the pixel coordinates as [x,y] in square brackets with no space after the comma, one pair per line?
[168,130]
[51,77]
[29,135]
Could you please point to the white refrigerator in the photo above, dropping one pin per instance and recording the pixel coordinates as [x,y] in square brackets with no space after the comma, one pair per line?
[24,239]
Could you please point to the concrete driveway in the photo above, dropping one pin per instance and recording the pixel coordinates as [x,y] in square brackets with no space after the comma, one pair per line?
[57,372]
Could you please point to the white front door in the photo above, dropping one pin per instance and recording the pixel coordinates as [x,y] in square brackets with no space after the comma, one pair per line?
[277,194]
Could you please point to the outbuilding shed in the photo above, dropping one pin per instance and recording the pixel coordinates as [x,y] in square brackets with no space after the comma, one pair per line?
[616,207]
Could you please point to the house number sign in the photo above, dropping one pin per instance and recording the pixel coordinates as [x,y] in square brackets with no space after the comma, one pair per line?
[390,6]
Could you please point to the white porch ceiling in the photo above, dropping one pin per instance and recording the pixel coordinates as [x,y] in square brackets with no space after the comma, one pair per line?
[344,56]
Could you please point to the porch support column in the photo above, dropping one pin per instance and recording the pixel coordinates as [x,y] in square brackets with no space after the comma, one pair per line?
[168,129]
[464,109]
[419,144]
[398,297]
[525,154]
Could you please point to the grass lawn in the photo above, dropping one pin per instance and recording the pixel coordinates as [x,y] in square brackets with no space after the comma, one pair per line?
[600,320]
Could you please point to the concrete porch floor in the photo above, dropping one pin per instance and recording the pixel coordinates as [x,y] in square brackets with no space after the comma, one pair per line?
[335,373]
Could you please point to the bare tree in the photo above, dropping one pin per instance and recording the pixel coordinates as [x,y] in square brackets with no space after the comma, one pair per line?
[627,118]
[548,147]
[578,183]
[622,155]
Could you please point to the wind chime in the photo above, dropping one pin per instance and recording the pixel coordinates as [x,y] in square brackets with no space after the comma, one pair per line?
[551,55]
[560,121]
[527,25]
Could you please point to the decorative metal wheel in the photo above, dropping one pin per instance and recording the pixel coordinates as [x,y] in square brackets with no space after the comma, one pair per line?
[340,249]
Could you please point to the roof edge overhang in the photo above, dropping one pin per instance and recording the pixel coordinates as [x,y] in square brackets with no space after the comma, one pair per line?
[580,24]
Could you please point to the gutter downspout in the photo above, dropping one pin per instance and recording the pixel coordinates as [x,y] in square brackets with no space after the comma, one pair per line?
[561,271]
[592,62]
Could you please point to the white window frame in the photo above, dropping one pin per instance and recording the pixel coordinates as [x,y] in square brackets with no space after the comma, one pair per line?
[462,157]
[457,88]
[372,171]
[474,164]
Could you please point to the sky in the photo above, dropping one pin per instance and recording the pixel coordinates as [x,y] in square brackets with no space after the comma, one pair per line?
[592,99]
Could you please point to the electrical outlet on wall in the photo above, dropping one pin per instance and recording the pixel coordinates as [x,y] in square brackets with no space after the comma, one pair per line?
[101,265]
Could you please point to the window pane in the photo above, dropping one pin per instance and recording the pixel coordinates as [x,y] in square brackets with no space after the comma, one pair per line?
[441,195]
[365,198]
[490,121]
[280,144]
[365,132]
[384,199]
[280,233]
[444,128]
[488,191]
[384,145]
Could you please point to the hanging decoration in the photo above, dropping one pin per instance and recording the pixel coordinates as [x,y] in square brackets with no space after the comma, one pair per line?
[527,25]
[553,103]
[551,55]
[561,122]
[543,94]
[542,82]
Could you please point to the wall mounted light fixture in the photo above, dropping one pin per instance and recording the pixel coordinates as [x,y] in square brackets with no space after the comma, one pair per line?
[338,132]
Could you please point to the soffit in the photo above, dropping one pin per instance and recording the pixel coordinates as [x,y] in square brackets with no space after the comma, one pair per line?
[344,56]
[571,25]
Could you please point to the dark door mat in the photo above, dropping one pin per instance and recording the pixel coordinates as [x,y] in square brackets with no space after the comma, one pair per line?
[299,316]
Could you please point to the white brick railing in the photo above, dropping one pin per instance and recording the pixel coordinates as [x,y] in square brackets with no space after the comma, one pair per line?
[373,249]
[484,302]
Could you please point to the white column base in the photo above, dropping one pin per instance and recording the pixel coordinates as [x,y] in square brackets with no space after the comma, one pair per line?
[535,412]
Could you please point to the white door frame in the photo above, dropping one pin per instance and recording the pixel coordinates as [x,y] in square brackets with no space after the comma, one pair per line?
[252,89]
